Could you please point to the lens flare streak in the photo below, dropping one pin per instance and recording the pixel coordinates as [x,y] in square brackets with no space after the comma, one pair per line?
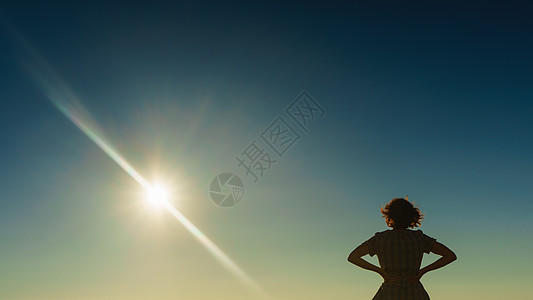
[229,264]
[67,102]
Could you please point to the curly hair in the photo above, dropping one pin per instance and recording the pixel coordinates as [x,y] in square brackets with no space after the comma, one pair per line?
[400,214]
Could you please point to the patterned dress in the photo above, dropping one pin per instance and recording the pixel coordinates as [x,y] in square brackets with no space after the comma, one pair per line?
[400,253]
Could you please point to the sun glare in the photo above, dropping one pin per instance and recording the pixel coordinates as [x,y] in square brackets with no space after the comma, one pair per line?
[157,195]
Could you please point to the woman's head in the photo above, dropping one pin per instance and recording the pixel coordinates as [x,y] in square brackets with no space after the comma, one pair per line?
[400,214]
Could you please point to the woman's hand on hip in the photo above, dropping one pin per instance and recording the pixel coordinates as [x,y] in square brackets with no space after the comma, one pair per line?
[416,278]
[389,277]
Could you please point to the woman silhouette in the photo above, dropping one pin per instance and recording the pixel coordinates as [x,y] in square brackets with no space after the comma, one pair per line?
[400,253]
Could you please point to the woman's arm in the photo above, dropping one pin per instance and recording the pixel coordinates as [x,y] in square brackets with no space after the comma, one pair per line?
[355,258]
[447,257]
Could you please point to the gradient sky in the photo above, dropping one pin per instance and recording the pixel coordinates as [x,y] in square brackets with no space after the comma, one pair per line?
[427,99]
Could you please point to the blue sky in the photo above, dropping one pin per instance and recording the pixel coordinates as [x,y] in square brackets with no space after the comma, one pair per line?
[432,100]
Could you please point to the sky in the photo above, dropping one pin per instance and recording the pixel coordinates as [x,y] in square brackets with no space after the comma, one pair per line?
[426,99]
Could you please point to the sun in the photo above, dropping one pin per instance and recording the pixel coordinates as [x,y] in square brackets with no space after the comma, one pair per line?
[156,195]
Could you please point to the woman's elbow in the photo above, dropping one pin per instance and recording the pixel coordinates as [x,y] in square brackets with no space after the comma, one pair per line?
[453,257]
